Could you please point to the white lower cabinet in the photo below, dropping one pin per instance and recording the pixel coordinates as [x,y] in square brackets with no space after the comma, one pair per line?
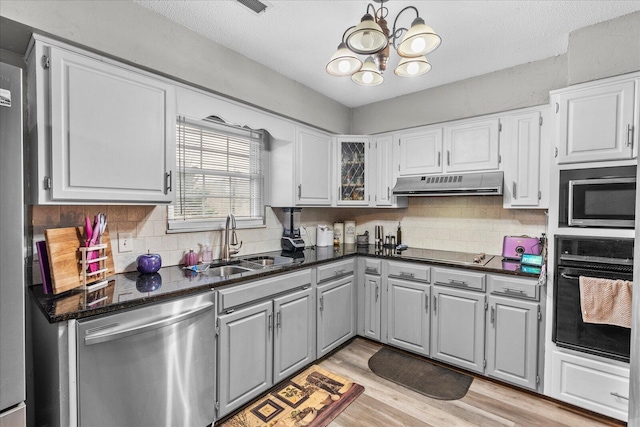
[336,315]
[408,316]
[457,328]
[512,341]
[262,343]
[591,384]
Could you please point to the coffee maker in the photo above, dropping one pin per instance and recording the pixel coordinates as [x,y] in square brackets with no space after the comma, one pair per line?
[291,240]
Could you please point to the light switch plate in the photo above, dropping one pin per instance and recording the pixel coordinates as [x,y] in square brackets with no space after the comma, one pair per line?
[125,242]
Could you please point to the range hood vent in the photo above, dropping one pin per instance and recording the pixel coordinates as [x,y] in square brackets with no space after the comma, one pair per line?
[470,184]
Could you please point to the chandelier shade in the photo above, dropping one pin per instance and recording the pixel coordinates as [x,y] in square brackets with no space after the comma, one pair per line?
[344,62]
[367,37]
[368,74]
[419,40]
[372,37]
[411,67]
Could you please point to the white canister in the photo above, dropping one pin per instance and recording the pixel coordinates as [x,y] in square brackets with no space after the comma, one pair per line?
[338,231]
[349,232]
[324,236]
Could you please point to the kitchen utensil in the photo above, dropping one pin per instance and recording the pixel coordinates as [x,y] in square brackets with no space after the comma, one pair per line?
[378,235]
[64,257]
[514,246]
[363,239]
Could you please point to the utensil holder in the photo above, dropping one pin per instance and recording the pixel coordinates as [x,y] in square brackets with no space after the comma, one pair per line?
[93,280]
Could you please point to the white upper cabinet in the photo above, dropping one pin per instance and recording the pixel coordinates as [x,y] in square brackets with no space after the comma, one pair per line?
[420,152]
[354,170]
[461,146]
[522,142]
[596,121]
[313,168]
[102,132]
[472,145]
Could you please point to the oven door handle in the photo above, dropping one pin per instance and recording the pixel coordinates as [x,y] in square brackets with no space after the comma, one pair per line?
[566,276]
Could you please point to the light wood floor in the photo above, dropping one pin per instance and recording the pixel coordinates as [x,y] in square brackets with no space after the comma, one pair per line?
[386,404]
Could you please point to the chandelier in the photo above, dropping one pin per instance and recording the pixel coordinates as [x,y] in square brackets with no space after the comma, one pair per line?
[371,37]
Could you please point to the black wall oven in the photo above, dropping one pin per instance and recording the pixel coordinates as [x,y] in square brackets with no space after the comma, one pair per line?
[607,258]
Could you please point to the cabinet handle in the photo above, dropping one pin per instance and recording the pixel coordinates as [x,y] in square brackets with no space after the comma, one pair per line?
[278,325]
[514,191]
[371,270]
[458,282]
[448,158]
[305,287]
[377,292]
[513,291]
[269,324]
[557,107]
[629,135]
[169,180]
[388,193]
[613,393]
[439,155]
[567,276]
[426,304]
[321,304]
[339,272]
[299,191]
[435,304]
[493,315]
[405,274]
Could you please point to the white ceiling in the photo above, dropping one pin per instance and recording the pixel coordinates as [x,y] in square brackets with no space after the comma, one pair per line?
[297,37]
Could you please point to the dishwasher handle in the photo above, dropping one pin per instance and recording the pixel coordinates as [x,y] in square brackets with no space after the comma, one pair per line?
[122,333]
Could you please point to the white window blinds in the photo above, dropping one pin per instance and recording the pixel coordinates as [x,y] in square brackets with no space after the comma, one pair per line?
[220,171]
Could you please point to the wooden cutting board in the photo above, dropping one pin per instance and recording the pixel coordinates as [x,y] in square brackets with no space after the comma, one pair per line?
[64,257]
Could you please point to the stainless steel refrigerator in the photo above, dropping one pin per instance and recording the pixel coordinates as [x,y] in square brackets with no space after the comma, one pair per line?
[12,251]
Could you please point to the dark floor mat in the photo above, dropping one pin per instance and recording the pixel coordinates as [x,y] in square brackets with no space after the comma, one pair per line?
[419,375]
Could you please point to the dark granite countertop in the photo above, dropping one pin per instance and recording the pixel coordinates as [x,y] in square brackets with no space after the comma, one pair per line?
[129,290]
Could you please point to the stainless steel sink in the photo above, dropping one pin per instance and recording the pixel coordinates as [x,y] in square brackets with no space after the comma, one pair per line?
[263,261]
[228,270]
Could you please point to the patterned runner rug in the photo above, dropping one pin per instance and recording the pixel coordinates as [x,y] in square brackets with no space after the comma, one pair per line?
[312,398]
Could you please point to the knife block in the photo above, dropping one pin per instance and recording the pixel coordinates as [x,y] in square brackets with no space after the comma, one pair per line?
[94,280]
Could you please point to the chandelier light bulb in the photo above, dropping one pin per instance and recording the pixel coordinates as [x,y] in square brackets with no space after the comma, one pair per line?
[367,40]
[367,77]
[418,45]
[344,66]
[413,68]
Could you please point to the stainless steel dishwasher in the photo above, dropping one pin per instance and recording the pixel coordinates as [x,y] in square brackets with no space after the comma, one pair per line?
[152,366]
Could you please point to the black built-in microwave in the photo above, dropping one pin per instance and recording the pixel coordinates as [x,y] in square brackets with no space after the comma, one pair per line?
[598,197]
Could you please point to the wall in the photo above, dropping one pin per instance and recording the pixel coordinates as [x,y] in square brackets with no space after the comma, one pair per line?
[463,223]
[605,49]
[517,87]
[173,50]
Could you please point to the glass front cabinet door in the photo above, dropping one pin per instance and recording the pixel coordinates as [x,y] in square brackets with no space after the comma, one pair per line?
[354,180]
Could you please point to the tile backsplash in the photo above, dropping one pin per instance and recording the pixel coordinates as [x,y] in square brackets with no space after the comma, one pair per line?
[463,223]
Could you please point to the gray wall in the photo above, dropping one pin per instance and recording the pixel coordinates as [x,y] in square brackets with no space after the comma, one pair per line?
[602,50]
[605,49]
[131,32]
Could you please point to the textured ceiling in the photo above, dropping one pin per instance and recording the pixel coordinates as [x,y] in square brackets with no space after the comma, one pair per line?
[297,38]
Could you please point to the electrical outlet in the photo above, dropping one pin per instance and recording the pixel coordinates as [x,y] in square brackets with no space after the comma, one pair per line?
[125,242]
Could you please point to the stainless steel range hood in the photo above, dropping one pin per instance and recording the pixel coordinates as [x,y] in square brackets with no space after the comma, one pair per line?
[485,183]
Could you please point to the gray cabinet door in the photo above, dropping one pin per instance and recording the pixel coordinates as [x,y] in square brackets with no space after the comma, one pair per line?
[457,327]
[294,339]
[245,348]
[512,340]
[335,314]
[408,315]
[372,306]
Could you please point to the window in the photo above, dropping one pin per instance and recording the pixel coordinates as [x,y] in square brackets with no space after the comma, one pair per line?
[220,171]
